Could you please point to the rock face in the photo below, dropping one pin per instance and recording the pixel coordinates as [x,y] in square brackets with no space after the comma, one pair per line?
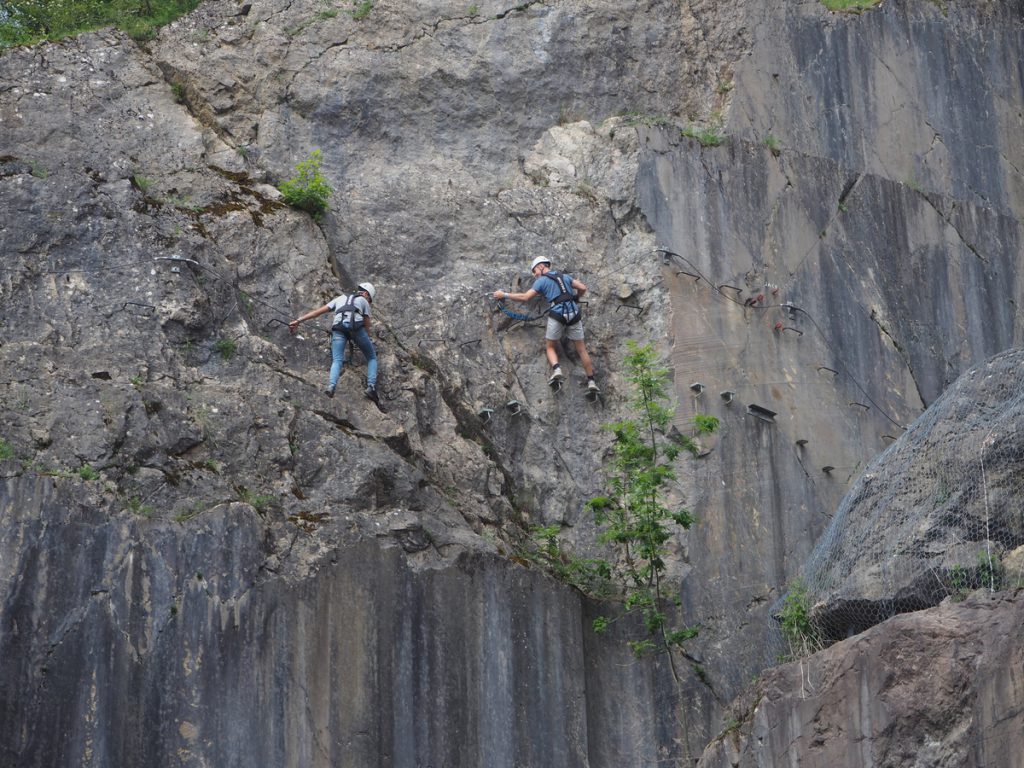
[938,688]
[874,92]
[176,643]
[206,561]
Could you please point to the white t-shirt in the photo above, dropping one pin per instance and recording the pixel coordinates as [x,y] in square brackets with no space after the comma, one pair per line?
[347,317]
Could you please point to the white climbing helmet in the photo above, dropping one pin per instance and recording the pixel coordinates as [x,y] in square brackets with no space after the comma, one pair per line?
[370,290]
[540,260]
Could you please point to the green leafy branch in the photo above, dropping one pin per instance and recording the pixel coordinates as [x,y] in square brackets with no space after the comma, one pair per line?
[591,576]
[635,519]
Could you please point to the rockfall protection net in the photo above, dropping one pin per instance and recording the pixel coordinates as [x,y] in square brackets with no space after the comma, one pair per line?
[938,514]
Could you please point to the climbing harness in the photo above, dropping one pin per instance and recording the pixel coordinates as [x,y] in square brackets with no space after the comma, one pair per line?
[348,317]
[564,307]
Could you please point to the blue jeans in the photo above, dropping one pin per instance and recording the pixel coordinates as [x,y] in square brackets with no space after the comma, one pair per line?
[362,340]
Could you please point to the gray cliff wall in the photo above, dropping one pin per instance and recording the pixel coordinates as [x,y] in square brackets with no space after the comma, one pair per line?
[920,93]
[900,285]
[161,646]
[138,643]
[459,146]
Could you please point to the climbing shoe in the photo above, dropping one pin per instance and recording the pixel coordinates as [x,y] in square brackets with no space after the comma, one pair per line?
[329,391]
[556,378]
[592,388]
[371,392]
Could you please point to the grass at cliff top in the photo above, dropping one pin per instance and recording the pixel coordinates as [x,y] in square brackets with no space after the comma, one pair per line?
[850,5]
[28,21]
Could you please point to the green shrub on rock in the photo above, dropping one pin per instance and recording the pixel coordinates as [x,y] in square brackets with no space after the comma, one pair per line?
[308,190]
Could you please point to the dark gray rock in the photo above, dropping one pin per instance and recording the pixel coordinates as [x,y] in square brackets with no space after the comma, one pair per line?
[876,91]
[149,643]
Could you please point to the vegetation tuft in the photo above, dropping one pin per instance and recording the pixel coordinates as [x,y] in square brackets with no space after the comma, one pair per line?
[308,190]
[361,9]
[991,572]
[86,472]
[959,583]
[23,22]
[850,6]
[706,137]
[137,506]
[141,183]
[256,500]
[592,576]
[795,621]
[641,118]
[226,348]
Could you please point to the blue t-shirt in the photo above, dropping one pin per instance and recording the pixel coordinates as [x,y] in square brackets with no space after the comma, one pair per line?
[566,311]
[349,318]
[548,287]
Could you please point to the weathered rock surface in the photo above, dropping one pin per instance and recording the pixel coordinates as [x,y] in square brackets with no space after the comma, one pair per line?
[459,146]
[166,645]
[876,92]
[939,688]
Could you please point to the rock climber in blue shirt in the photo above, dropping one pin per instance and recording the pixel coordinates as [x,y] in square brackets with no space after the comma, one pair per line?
[563,293]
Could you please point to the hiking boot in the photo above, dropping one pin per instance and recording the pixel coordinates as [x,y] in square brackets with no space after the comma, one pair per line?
[556,377]
[329,391]
[371,392]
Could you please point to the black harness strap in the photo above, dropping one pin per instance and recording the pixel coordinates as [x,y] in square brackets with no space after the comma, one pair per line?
[350,314]
[570,312]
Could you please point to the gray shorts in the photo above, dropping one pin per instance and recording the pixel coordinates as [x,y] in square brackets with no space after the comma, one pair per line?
[556,330]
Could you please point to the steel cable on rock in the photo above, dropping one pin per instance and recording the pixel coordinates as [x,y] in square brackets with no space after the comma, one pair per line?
[499,304]
[789,308]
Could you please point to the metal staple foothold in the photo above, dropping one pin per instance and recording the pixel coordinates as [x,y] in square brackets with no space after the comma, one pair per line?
[150,307]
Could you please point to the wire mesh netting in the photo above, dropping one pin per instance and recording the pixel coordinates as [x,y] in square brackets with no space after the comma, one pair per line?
[938,514]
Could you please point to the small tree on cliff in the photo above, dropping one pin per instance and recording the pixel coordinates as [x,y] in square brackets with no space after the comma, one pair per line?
[634,516]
